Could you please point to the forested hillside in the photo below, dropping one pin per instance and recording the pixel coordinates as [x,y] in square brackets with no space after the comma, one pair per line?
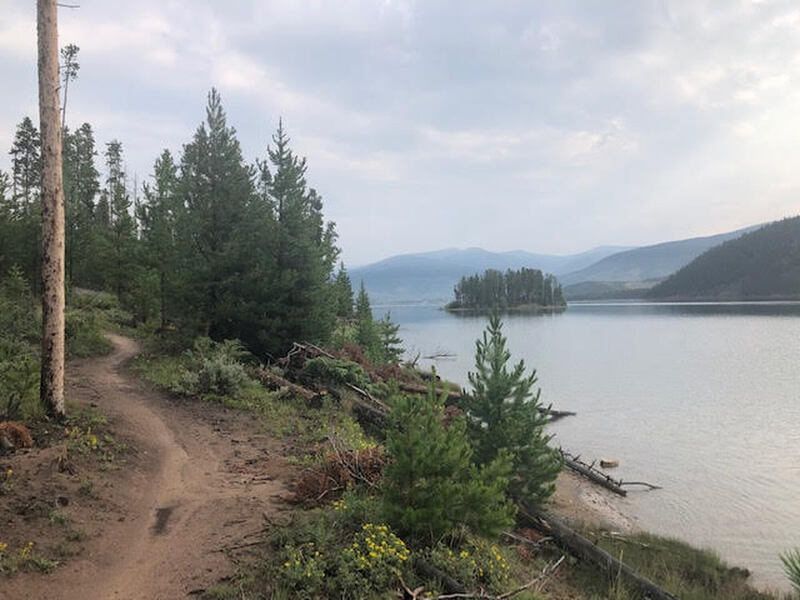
[649,262]
[760,265]
[210,244]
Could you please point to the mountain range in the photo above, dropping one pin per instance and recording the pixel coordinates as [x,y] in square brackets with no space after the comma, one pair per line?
[600,272]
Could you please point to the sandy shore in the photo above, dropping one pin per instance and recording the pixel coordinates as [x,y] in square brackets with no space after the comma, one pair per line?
[581,502]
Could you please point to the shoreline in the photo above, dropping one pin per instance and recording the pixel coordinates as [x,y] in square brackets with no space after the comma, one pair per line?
[584,504]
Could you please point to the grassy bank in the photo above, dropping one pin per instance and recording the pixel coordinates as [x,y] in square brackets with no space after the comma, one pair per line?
[338,509]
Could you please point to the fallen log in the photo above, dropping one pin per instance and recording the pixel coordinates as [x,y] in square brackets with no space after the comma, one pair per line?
[415,388]
[557,414]
[592,474]
[371,417]
[365,394]
[273,381]
[583,548]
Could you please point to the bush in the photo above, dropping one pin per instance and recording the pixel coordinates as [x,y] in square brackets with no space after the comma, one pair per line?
[476,564]
[432,488]
[337,554]
[19,382]
[213,368]
[84,335]
[19,320]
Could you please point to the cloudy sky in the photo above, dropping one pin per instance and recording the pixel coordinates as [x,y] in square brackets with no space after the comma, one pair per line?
[507,124]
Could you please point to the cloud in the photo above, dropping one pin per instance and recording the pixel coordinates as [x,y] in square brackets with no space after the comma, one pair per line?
[543,126]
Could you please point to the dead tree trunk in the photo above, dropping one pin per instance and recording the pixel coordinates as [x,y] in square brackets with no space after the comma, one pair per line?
[52,375]
[593,475]
[585,549]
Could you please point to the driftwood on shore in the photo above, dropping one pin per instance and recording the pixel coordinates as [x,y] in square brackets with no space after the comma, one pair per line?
[556,414]
[589,472]
[583,548]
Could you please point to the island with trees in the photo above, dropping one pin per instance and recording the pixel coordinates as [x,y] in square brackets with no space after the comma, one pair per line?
[523,290]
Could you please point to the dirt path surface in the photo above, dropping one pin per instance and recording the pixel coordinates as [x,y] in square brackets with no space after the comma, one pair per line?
[200,479]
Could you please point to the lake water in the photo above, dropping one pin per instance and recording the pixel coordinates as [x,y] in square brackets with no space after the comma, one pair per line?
[702,399]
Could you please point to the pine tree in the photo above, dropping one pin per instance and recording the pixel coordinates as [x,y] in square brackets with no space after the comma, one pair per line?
[51,390]
[26,176]
[69,72]
[343,293]
[216,227]
[432,489]
[26,165]
[158,216]
[121,226]
[391,346]
[366,333]
[305,250]
[506,417]
[81,185]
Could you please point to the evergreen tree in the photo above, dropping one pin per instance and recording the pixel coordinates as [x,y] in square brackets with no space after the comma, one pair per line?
[366,333]
[432,488]
[26,165]
[391,346]
[343,293]
[215,227]
[26,176]
[69,72]
[121,233]
[81,185]
[158,215]
[506,418]
[305,250]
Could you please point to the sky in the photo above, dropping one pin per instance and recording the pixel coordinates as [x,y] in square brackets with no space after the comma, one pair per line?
[550,127]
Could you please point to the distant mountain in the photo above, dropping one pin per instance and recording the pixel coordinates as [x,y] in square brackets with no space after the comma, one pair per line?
[761,265]
[431,276]
[648,262]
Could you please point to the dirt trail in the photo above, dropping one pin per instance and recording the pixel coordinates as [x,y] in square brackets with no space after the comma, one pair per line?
[201,479]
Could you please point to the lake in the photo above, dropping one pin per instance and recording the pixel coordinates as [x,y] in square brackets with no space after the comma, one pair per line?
[702,399]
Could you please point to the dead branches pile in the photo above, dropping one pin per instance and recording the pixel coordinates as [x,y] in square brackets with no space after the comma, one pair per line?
[340,469]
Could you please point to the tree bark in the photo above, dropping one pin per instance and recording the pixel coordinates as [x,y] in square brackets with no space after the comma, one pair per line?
[52,375]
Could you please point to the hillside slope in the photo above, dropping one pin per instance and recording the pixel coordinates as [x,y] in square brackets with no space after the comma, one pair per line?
[760,265]
[649,262]
[432,275]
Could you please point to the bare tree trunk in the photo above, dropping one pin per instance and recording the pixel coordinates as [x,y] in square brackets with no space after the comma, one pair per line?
[52,382]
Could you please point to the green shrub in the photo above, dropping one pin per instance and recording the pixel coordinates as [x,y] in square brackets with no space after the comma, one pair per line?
[213,368]
[476,563]
[19,382]
[336,554]
[84,334]
[372,562]
[19,319]
[432,488]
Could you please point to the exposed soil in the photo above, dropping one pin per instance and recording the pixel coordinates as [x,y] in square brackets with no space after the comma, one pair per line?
[198,479]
